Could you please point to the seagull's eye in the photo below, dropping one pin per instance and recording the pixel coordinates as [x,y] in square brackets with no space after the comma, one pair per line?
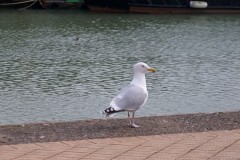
[142,65]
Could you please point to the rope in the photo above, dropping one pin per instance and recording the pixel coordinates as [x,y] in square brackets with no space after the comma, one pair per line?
[29,5]
[40,1]
[8,4]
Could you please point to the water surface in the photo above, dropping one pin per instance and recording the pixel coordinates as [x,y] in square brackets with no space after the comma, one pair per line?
[68,65]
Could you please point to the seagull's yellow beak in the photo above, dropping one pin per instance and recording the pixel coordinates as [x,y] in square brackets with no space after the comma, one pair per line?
[152,70]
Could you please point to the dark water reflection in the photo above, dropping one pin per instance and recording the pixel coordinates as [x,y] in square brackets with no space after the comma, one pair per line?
[68,65]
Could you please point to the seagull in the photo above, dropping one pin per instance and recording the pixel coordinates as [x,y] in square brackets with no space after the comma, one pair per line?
[133,96]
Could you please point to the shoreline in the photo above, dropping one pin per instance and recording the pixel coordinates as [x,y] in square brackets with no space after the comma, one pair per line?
[109,128]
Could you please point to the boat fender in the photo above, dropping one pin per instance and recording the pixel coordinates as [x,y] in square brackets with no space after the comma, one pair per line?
[198,4]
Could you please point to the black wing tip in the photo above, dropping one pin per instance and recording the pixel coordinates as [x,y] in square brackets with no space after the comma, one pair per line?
[109,111]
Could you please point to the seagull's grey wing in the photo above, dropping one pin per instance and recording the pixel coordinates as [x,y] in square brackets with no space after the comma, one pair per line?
[129,98]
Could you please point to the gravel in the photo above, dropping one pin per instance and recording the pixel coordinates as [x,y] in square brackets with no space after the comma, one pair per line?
[108,128]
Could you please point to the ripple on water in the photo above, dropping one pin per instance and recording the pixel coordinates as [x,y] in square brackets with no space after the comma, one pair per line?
[68,65]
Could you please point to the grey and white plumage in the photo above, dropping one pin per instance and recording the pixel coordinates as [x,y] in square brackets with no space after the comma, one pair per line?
[133,96]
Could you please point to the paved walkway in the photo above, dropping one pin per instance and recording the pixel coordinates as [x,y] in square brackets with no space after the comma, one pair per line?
[218,145]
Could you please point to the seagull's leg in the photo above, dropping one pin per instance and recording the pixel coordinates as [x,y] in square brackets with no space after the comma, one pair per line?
[133,124]
[129,118]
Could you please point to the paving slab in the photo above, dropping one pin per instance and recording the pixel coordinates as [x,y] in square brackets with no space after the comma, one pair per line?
[212,145]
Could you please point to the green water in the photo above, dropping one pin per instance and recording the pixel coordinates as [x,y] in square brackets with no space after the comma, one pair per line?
[68,65]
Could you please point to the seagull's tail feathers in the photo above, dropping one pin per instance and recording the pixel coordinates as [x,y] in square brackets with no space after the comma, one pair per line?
[110,112]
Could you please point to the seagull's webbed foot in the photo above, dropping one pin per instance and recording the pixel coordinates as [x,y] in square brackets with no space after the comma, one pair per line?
[131,121]
[135,126]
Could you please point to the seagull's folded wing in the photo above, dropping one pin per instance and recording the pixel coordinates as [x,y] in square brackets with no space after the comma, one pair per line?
[129,98]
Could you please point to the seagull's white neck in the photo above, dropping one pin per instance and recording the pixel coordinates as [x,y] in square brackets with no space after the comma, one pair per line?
[139,79]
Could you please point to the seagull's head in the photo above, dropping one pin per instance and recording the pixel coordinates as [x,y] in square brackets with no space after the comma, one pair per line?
[143,68]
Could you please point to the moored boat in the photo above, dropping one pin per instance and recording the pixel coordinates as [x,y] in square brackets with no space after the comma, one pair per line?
[61,4]
[165,6]
[108,5]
